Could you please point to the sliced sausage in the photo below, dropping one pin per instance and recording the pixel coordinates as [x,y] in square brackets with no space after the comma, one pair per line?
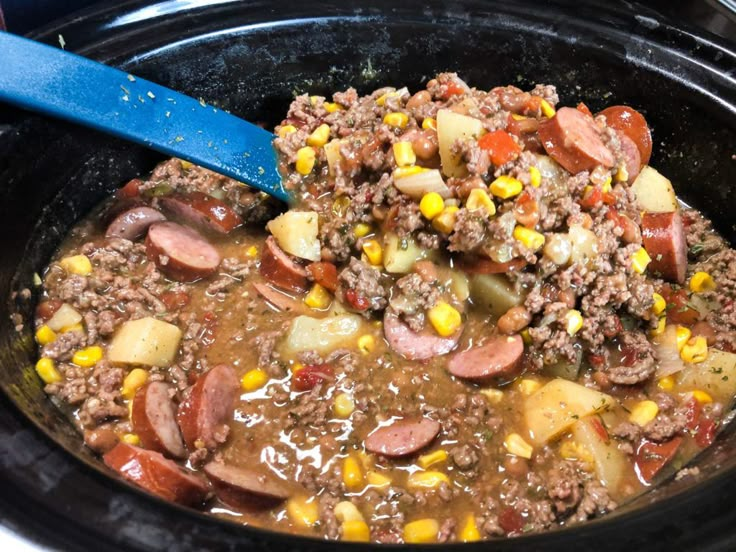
[245,488]
[158,475]
[280,269]
[632,124]
[402,437]
[154,420]
[416,345]
[180,252]
[203,211]
[133,223]
[631,155]
[663,237]
[571,138]
[278,299]
[497,358]
[204,414]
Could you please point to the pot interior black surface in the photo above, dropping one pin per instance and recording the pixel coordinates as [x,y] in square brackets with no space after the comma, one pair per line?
[252,60]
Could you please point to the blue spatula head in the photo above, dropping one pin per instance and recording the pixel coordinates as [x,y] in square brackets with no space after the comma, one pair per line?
[48,80]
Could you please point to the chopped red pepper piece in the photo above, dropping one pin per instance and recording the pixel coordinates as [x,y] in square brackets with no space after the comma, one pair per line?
[511,521]
[706,433]
[678,309]
[652,457]
[305,379]
[175,299]
[453,89]
[599,428]
[131,189]
[500,146]
[325,274]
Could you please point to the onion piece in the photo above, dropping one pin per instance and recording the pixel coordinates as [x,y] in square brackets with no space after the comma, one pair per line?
[416,185]
[668,355]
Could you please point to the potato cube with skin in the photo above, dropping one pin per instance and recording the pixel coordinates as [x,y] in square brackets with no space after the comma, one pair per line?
[296,232]
[654,192]
[146,341]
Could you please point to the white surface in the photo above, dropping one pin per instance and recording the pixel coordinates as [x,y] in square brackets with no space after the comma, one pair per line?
[10,541]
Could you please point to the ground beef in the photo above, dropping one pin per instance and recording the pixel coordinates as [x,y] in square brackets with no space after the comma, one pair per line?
[644,364]
[464,457]
[411,297]
[595,501]
[365,282]
[564,486]
[702,241]
[64,346]
[469,231]
[337,239]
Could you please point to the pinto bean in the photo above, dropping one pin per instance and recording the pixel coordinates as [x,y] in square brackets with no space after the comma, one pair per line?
[514,320]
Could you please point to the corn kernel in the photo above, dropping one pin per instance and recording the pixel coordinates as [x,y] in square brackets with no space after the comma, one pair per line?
[666,383]
[402,172]
[88,357]
[404,154]
[318,297]
[366,343]
[356,531]
[445,221]
[361,230]
[622,174]
[319,136]
[134,381]
[469,531]
[305,159]
[506,186]
[445,319]
[347,511]
[382,99]
[286,130]
[572,450]
[331,107]
[429,124]
[377,480]
[528,386]
[659,304]
[186,165]
[251,252]
[535,177]
[352,474]
[314,99]
[296,367]
[78,264]
[46,370]
[421,531]
[695,350]
[573,321]
[131,439]
[432,458]
[701,396]
[643,412]
[45,335]
[78,327]
[518,117]
[373,251]
[426,480]
[661,325]
[529,238]
[525,336]
[547,108]
[640,260]
[343,406]
[431,205]
[494,396]
[479,199]
[606,187]
[253,379]
[396,119]
[303,512]
[683,335]
[516,445]
[701,282]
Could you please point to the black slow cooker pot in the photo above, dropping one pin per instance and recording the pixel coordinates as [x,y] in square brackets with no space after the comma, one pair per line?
[250,58]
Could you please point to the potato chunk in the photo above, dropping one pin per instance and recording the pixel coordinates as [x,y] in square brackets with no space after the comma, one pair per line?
[296,233]
[558,405]
[654,192]
[146,341]
[322,334]
[716,375]
[451,127]
[400,254]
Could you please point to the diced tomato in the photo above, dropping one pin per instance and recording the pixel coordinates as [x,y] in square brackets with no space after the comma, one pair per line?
[596,360]
[526,210]
[483,265]
[325,274]
[175,299]
[311,375]
[706,433]
[652,457]
[521,127]
[356,300]
[209,324]
[629,356]
[533,105]
[582,108]
[131,189]
[500,146]
[46,309]
[599,428]
[511,521]
[452,89]
[614,329]
[591,199]
[678,309]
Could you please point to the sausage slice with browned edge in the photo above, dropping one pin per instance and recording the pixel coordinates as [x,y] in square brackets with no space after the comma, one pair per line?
[244,487]
[205,412]
[154,420]
[631,155]
[202,210]
[402,437]
[571,138]
[181,253]
[280,269]
[633,124]
[158,475]
[663,236]
[497,358]
[133,223]
[416,345]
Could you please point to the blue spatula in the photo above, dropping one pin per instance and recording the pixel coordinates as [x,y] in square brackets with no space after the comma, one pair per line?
[48,80]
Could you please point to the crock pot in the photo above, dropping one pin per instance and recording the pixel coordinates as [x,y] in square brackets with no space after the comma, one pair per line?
[250,58]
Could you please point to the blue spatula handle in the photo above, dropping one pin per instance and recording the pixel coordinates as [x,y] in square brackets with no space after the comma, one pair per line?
[41,78]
